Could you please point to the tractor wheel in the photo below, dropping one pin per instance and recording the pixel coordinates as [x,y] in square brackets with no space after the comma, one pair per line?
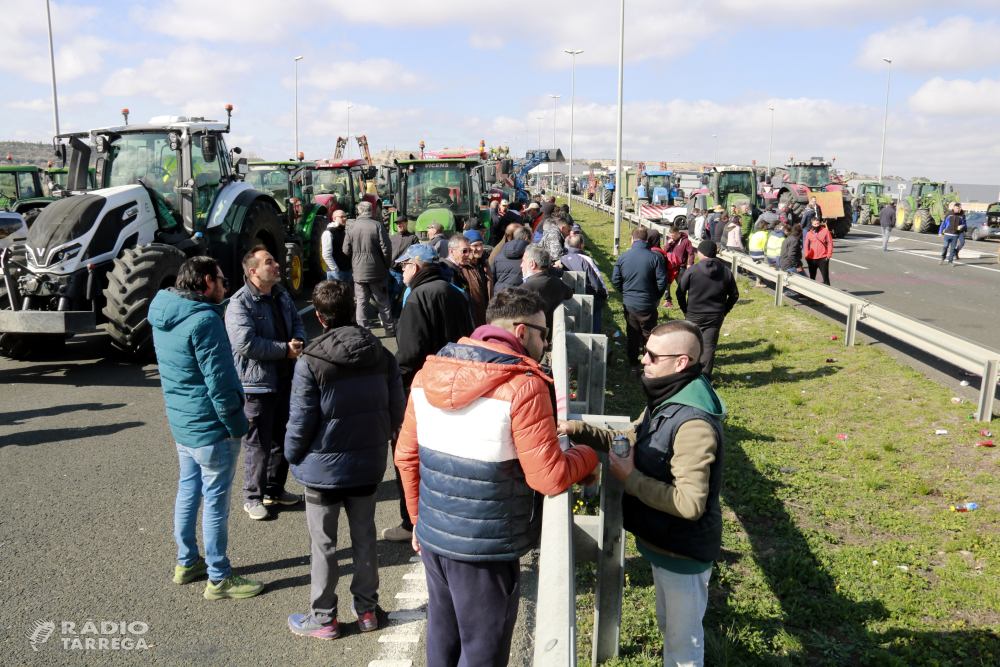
[30,346]
[18,259]
[262,227]
[840,227]
[317,267]
[609,197]
[925,222]
[137,276]
[865,216]
[295,270]
[792,204]
[386,216]
[904,216]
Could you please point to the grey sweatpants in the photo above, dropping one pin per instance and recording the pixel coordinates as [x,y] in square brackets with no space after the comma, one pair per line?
[885,237]
[322,521]
[363,292]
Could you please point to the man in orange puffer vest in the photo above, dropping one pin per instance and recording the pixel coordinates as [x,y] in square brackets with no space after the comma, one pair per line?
[477,447]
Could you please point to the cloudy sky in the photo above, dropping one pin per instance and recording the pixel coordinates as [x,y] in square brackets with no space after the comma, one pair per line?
[452,72]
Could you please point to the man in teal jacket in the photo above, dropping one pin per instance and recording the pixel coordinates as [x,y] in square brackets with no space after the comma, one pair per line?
[204,400]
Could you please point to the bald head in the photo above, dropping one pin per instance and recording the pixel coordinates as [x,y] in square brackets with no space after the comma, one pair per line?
[511,228]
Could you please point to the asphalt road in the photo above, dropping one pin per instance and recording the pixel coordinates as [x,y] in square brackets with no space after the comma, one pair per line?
[89,471]
[909,279]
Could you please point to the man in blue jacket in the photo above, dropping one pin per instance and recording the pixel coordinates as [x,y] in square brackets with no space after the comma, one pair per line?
[267,336]
[640,276]
[346,405]
[204,404]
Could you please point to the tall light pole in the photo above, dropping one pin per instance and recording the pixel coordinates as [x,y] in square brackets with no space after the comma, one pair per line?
[770,141]
[572,96]
[618,150]
[555,99]
[52,64]
[885,121]
[349,107]
[540,119]
[715,151]
[297,59]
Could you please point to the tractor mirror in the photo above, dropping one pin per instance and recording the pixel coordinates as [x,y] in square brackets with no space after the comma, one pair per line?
[704,179]
[371,172]
[506,167]
[209,148]
[491,174]
[307,189]
[307,178]
[242,167]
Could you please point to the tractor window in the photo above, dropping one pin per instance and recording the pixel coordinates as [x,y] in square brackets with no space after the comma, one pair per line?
[660,181]
[207,180]
[735,183]
[146,159]
[8,187]
[436,186]
[270,179]
[26,184]
[337,184]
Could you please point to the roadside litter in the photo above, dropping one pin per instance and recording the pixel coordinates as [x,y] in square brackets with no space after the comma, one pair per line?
[964,383]
[833,338]
[831,361]
[957,399]
[940,431]
[988,434]
[965,507]
[842,436]
[984,443]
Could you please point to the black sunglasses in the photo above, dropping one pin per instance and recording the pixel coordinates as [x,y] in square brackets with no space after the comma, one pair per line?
[225,281]
[544,330]
[655,358]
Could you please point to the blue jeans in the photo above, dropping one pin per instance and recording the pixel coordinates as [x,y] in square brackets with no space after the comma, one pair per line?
[346,276]
[205,471]
[950,241]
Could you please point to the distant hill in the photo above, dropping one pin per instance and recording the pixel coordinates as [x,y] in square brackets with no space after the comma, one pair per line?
[26,152]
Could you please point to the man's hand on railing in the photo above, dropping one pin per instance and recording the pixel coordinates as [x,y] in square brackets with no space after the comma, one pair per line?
[622,466]
[565,428]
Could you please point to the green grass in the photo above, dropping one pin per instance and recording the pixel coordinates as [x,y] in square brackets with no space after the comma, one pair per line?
[834,552]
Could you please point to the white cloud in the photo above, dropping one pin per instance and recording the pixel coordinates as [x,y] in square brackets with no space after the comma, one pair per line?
[26,35]
[66,102]
[958,97]
[478,40]
[956,44]
[372,74]
[185,74]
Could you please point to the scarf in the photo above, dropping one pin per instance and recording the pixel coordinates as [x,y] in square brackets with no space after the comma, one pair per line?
[491,334]
[660,390]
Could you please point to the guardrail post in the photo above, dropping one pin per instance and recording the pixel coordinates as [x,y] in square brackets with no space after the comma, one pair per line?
[852,324]
[736,264]
[988,390]
[779,289]
[610,568]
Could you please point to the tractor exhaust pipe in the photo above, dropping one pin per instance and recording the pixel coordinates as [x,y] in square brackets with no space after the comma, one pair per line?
[79,160]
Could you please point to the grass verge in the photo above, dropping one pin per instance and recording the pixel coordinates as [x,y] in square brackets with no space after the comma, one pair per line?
[834,551]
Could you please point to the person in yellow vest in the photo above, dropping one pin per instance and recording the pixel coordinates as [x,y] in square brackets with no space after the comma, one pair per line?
[774,242]
[757,245]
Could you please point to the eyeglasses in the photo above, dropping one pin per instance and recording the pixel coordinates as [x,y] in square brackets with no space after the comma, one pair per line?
[225,281]
[543,330]
[465,251]
[655,358]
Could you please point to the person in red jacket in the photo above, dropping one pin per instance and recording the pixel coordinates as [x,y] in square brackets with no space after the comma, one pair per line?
[653,241]
[478,441]
[819,249]
[679,245]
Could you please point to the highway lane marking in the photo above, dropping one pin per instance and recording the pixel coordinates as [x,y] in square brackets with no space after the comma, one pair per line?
[916,253]
[412,595]
[415,575]
[390,663]
[409,639]
[408,615]
[857,266]
[306,309]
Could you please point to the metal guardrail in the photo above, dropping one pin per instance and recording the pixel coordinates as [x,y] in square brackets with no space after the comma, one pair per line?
[566,538]
[961,352]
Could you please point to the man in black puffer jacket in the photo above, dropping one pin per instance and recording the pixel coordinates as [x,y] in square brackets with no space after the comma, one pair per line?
[706,293]
[507,265]
[347,402]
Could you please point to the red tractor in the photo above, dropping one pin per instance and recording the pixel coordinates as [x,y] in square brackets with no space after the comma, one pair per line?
[343,184]
[806,179]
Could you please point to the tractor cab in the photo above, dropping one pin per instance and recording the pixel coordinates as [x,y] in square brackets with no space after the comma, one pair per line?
[450,187]
[55,179]
[810,174]
[926,189]
[21,191]
[734,186]
[341,185]
[657,187]
[873,189]
[274,177]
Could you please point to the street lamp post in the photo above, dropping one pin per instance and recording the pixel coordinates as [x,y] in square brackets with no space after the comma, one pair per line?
[572,95]
[770,142]
[885,121]
[297,59]
[540,119]
[52,64]
[349,107]
[554,102]
[618,149]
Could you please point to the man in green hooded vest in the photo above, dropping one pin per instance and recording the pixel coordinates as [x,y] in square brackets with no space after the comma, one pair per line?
[673,474]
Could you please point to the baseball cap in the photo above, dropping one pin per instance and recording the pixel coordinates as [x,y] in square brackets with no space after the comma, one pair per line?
[418,251]
[534,205]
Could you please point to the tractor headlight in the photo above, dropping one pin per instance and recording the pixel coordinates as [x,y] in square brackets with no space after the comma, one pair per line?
[68,253]
[101,143]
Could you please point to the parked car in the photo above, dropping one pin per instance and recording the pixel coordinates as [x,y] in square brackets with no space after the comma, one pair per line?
[984,225]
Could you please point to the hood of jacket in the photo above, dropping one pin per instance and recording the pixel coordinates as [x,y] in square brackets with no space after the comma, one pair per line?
[712,268]
[464,371]
[699,394]
[349,346]
[514,249]
[173,306]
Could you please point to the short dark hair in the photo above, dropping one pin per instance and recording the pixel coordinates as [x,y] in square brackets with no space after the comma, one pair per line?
[674,229]
[561,216]
[334,301]
[512,304]
[250,259]
[191,275]
[681,326]
[640,234]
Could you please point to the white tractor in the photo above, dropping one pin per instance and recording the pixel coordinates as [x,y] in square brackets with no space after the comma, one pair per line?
[166,190]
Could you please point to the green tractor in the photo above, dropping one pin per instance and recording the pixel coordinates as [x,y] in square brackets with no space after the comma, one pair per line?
[450,187]
[21,191]
[925,207]
[873,200]
[54,179]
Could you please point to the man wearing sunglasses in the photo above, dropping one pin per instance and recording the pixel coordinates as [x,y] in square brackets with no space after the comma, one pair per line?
[477,447]
[204,401]
[672,475]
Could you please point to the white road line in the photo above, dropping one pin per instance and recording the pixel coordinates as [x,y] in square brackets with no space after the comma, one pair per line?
[415,559]
[857,266]
[918,253]
[412,595]
[408,639]
[306,309]
[408,615]
[420,576]
[390,663]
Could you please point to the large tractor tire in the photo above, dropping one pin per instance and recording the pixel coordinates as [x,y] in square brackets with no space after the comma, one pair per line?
[840,227]
[261,226]
[137,276]
[865,215]
[924,222]
[295,270]
[904,216]
[317,267]
[609,197]
[792,205]
[30,346]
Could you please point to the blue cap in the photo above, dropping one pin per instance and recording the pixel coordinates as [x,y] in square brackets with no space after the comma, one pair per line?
[419,251]
[473,235]
[576,228]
